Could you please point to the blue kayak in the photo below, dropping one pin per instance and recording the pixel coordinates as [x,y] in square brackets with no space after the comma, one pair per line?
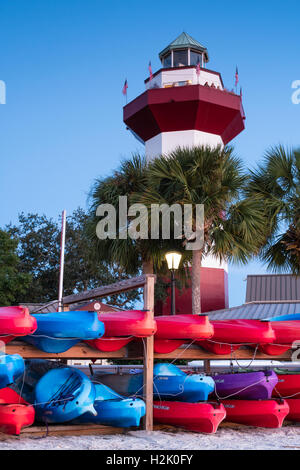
[59,331]
[170,383]
[11,367]
[63,395]
[290,317]
[114,410]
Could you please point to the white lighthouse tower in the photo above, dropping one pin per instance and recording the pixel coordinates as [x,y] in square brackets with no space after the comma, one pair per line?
[185,104]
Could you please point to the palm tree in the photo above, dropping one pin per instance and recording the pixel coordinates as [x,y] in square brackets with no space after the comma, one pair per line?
[276,182]
[129,255]
[233,224]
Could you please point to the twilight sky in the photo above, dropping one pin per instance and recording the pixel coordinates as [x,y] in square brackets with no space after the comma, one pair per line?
[64,64]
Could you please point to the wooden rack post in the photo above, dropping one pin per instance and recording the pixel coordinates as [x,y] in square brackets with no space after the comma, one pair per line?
[149,355]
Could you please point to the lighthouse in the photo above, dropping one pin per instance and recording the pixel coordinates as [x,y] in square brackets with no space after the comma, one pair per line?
[185,104]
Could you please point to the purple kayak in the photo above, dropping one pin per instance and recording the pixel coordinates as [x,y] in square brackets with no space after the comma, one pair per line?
[246,385]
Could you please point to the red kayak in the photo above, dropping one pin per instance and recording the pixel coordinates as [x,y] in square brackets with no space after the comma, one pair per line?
[288,385]
[175,330]
[294,413]
[109,344]
[15,413]
[286,333]
[122,327]
[197,417]
[15,321]
[259,413]
[229,335]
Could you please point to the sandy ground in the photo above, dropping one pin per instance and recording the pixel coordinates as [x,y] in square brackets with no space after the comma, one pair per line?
[286,438]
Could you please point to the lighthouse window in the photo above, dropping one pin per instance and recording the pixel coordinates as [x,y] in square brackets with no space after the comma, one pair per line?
[180,58]
[167,61]
[195,57]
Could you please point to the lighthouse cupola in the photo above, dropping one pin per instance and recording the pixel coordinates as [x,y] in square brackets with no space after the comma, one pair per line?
[184,51]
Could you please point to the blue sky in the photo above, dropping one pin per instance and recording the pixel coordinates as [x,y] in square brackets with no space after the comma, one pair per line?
[64,64]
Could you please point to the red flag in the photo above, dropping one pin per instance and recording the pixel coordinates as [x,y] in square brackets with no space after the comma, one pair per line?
[124,91]
[236,76]
[198,68]
[150,70]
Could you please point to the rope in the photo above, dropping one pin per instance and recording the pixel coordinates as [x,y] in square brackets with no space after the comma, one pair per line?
[290,396]
[183,351]
[251,361]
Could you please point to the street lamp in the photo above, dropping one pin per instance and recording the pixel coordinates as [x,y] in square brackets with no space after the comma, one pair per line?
[173,259]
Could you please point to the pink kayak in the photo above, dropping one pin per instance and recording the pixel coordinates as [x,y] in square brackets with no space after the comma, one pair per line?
[175,330]
[197,417]
[229,335]
[15,413]
[122,327]
[16,321]
[287,332]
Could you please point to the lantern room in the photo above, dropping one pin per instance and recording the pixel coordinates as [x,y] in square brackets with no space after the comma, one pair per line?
[183,52]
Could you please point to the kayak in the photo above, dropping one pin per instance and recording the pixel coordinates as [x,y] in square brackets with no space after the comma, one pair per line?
[64,394]
[246,385]
[122,327]
[229,335]
[114,410]
[294,413]
[109,344]
[175,330]
[59,331]
[15,321]
[15,413]
[197,417]
[288,384]
[11,367]
[287,332]
[259,413]
[290,316]
[169,383]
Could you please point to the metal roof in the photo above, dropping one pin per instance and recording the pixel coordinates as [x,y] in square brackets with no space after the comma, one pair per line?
[184,40]
[272,287]
[256,311]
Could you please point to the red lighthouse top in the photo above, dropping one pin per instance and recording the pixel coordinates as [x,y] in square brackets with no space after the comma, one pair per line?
[185,96]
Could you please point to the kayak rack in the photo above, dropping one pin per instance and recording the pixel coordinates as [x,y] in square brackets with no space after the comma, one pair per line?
[137,350]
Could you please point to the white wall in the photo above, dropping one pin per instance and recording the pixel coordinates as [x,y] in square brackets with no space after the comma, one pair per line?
[167,141]
[183,74]
[211,262]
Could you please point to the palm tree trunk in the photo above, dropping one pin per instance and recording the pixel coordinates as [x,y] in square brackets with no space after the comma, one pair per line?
[147,267]
[196,277]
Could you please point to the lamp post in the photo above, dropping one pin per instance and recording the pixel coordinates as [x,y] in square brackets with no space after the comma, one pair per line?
[173,259]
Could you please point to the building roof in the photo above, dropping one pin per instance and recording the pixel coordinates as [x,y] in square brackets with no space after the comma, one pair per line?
[41,307]
[256,311]
[184,40]
[272,287]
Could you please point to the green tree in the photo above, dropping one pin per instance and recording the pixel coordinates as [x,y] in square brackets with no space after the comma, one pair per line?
[133,256]
[276,182]
[233,224]
[13,283]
